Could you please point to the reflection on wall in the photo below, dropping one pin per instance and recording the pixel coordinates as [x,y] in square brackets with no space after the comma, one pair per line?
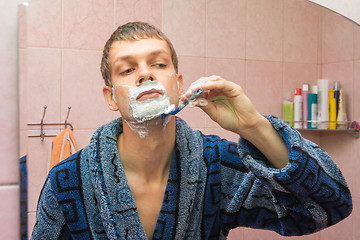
[269,47]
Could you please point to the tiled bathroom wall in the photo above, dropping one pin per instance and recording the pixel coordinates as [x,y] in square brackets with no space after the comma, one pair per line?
[9,170]
[269,47]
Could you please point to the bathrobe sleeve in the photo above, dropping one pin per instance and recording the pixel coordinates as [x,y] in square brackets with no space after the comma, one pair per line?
[50,220]
[61,211]
[307,195]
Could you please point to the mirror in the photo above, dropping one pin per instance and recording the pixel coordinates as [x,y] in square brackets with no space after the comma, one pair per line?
[349,9]
[269,47]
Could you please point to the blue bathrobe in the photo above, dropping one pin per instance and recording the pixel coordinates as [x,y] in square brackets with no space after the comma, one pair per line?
[214,186]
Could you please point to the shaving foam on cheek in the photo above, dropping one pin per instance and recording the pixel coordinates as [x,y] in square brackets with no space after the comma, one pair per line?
[140,112]
[114,97]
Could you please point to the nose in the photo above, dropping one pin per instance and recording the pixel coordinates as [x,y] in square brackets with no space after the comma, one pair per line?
[144,75]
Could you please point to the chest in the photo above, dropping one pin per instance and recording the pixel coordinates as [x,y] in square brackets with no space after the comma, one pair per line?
[148,199]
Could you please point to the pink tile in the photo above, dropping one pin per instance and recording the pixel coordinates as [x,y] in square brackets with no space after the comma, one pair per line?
[342,72]
[9,94]
[356,218]
[184,24]
[296,74]
[192,68]
[264,30]
[313,136]
[44,23]
[42,85]
[319,71]
[229,69]
[355,187]
[320,39]
[10,212]
[341,230]
[340,151]
[22,26]
[356,42]
[255,234]
[22,90]
[22,143]
[356,95]
[9,173]
[338,40]
[225,28]
[263,81]
[82,90]
[37,166]
[236,234]
[9,116]
[301,27]
[87,25]
[195,117]
[31,222]
[140,11]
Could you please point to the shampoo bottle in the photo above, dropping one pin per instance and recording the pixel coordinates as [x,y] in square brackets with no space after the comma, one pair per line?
[305,93]
[323,104]
[298,108]
[342,119]
[288,110]
[312,108]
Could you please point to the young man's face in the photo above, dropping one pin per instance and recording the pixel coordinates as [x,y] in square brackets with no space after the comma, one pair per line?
[136,64]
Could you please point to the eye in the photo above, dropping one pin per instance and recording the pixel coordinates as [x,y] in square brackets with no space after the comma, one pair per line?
[127,71]
[160,65]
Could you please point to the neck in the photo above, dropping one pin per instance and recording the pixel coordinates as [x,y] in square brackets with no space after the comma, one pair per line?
[148,157]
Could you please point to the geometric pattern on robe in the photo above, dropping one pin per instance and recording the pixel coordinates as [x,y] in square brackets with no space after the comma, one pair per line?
[214,186]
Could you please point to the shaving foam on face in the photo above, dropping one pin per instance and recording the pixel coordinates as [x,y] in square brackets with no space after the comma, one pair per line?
[141,112]
[149,108]
[113,91]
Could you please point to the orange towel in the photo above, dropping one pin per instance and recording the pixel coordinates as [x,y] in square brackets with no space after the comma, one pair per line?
[62,147]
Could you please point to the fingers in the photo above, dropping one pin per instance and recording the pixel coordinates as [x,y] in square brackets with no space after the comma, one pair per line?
[213,86]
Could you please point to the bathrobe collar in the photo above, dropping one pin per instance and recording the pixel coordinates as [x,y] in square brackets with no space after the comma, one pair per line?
[116,204]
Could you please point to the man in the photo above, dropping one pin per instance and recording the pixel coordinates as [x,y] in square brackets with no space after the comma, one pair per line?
[145,176]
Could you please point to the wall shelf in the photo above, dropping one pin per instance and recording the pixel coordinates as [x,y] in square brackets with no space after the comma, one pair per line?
[351,127]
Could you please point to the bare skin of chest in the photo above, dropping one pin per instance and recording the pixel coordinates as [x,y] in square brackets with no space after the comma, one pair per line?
[148,199]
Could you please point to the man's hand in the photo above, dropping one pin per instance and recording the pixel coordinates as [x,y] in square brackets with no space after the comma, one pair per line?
[226,103]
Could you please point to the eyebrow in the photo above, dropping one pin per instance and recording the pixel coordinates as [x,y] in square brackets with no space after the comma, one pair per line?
[130,57]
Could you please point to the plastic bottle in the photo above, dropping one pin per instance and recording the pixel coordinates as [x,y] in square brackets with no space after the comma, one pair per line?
[342,119]
[298,108]
[312,107]
[305,93]
[332,110]
[323,104]
[337,95]
[288,110]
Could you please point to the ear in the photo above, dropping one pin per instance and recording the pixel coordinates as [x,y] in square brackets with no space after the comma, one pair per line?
[109,98]
[180,82]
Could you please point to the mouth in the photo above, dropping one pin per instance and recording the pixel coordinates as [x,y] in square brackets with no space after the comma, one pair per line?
[153,93]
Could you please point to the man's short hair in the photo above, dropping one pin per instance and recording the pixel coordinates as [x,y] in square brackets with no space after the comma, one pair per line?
[133,31]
